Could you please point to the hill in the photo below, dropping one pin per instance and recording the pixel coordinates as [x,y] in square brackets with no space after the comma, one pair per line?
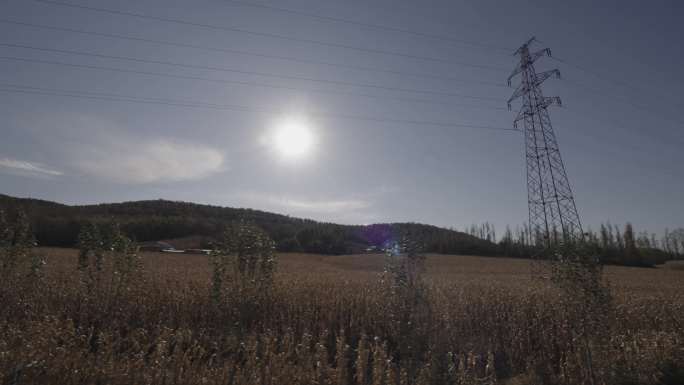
[57,224]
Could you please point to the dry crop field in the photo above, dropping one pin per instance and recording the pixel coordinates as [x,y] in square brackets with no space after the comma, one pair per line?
[335,320]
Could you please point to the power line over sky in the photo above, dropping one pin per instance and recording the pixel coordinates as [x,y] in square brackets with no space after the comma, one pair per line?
[261,55]
[449,39]
[247,72]
[18,88]
[270,35]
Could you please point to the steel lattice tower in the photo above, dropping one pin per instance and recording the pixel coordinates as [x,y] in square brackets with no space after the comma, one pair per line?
[553,215]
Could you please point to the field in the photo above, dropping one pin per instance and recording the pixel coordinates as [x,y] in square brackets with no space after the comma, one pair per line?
[336,320]
[666,280]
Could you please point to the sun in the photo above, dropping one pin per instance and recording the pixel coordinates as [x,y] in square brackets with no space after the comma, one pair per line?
[293,138]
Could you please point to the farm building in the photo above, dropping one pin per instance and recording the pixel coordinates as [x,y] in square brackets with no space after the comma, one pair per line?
[155,246]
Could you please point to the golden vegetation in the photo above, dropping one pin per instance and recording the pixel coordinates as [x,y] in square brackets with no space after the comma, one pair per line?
[332,320]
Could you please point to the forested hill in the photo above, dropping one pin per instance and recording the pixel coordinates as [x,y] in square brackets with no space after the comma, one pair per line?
[56,224]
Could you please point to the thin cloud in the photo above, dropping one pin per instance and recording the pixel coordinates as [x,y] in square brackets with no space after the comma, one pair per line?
[318,206]
[103,150]
[27,168]
[149,161]
[352,211]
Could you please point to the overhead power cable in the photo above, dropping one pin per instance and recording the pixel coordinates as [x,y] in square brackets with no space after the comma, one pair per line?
[244,83]
[23,89]
[589,116]
[379,27]
[267,34]
[622,84]
[596,74]
[247,72]
[423,75]
[625,101]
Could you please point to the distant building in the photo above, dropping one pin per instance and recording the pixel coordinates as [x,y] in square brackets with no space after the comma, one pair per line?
[156,246]
[197,251]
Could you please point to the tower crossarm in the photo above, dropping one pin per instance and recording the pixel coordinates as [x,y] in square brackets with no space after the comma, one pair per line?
[527,59]
[534,56]
[542,76]
[523,88]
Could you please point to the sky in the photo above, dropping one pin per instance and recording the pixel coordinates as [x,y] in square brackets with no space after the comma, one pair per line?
[391,124]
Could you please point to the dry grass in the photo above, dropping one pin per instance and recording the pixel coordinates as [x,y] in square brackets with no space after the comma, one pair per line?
[454,268]
[328,320]
[675,265]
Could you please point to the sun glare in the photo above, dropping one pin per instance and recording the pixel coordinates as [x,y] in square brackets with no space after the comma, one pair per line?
[293,138]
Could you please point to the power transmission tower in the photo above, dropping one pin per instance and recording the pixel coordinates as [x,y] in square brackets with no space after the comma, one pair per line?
[553,215]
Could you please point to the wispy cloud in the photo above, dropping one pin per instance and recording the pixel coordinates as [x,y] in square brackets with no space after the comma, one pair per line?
[149,161]
[103,150]
[27,168]
[353,211]
[320,206]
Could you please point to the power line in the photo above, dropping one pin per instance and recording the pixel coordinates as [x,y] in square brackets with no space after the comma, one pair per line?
[414,7]
[620,125]
[596,74]
[246,72]
[601,75]
[618,98]
[592,134]
[366,25]
[371,69]
[239,82]
[15,88]
[424,75]
[109,97]
[266,34]
[625,101]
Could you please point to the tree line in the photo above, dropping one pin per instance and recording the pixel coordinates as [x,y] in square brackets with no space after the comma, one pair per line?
[612,244]
[59,225]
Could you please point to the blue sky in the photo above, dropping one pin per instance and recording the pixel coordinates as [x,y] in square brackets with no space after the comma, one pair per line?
[620,129]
